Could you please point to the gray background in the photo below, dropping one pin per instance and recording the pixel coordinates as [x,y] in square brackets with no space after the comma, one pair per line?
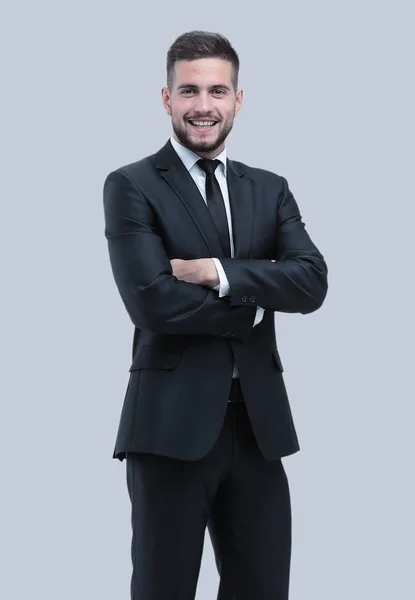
[328,104]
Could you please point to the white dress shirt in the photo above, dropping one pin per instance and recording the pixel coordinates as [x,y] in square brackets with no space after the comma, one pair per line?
[189,160]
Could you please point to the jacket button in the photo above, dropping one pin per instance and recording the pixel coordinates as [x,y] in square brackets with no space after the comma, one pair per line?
[226,333]
[244,298]
[252,299]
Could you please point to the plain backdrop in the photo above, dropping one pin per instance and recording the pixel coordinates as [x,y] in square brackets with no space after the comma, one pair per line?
[328,104]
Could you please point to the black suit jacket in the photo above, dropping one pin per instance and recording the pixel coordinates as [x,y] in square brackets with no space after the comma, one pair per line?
[186,338]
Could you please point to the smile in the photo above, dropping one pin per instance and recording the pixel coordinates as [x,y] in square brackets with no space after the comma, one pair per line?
[203,125]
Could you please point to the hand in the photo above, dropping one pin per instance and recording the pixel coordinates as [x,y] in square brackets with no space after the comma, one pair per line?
[201,271]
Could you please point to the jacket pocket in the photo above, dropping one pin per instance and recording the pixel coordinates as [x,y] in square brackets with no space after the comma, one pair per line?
[277,359]
[153,357]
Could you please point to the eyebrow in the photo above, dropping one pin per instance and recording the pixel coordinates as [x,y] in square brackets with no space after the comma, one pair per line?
[196,87]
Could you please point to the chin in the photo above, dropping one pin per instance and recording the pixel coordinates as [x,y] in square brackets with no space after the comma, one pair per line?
[205,146]
[195,143]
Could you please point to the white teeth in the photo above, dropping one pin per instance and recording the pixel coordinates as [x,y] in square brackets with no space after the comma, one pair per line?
[203,123]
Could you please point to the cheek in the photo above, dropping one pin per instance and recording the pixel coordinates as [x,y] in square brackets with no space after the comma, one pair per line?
[181,113]
[177,114]
[226,119]
[229,113]
[178,109]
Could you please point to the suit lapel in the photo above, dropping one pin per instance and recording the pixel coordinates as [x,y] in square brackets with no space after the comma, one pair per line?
[241,198]
[173,171]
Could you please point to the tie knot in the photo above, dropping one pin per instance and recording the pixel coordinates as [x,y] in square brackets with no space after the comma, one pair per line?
[208,165]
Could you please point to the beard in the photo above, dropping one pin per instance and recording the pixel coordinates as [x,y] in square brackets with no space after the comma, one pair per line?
[184,136]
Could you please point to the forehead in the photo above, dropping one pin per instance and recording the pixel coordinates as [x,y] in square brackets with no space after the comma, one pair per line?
[203,71]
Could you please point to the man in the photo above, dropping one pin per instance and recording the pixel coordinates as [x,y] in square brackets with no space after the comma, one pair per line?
[204,250]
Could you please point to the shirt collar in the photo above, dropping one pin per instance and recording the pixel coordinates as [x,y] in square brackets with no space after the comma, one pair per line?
[189,158]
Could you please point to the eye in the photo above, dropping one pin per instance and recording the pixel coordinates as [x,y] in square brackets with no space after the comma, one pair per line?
[187,90]
[220,92]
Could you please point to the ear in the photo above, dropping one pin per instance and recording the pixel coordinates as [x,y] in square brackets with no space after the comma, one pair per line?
[238,101]
[165,98]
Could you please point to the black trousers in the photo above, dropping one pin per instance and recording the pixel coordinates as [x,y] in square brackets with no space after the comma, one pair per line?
[243,499]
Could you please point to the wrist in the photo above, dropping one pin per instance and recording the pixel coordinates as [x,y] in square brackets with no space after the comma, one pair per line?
[210,274]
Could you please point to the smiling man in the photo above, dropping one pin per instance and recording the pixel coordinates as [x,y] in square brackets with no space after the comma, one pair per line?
[204,250]
[202,103]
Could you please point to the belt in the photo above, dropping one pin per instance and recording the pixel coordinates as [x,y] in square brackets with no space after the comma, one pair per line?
[236,395]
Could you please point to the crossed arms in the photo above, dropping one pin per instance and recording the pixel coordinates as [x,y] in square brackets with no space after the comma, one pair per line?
[176,297]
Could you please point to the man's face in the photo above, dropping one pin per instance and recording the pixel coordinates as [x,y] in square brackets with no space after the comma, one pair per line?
[202,92]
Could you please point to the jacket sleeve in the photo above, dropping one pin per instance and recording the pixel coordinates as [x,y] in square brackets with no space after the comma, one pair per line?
[153,297]
[296,282]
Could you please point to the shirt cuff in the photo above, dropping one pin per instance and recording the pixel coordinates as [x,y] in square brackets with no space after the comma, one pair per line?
[259,315]
[224,287]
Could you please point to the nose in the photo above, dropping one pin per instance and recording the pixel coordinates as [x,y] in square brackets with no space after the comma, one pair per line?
[203,103]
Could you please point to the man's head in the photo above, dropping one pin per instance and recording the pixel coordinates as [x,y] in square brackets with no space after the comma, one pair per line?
[202,80]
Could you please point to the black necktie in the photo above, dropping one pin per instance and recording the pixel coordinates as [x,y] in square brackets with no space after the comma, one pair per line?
[215,202]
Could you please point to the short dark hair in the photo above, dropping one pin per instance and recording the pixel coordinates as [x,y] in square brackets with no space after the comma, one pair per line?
[201,44]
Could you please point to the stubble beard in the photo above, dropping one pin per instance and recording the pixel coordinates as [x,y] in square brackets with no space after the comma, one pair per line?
[184,137]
